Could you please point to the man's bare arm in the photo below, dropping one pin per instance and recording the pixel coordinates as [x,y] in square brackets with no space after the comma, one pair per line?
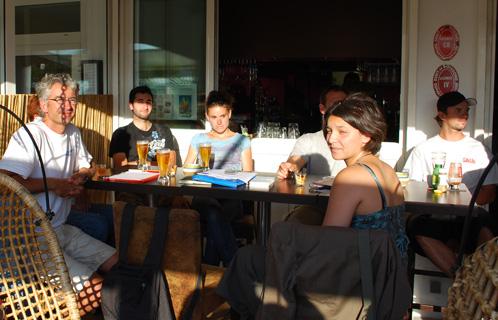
[61,187]
[293,164]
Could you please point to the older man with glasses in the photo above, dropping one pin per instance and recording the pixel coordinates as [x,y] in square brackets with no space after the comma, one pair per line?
[67,166]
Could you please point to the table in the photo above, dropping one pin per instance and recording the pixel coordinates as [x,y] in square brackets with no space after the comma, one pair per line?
[283,191]
[418,199]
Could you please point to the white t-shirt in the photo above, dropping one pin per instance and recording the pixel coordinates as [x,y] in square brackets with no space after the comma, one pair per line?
[313,148]
[62,154]
[473,155]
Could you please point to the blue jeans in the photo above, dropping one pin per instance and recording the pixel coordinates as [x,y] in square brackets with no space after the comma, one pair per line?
[97,222]
[216,215]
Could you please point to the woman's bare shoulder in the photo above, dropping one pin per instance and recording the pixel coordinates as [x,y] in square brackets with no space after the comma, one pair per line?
[354,173]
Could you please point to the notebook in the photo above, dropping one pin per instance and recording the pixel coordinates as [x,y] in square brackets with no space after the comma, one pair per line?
[226,178]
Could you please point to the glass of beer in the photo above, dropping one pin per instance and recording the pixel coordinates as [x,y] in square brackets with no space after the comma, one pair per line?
[162,157]
[142,150]
[205,154]
[455,175]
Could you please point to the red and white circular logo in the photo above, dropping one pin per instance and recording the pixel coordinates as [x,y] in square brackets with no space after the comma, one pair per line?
[445,79]
[446,42]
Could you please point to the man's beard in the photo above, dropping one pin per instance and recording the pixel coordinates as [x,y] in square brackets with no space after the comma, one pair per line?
[141,117]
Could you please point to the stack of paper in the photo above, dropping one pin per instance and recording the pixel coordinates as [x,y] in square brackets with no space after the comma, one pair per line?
[225,178]
[262,182]
[325,182]
[133,176]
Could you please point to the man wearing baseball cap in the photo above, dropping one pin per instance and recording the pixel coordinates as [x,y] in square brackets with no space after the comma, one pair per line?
[432,235]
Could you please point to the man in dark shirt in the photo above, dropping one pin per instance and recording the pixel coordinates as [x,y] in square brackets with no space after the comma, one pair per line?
[123,148]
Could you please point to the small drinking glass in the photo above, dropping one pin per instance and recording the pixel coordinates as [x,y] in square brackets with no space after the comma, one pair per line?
[261,131]
[293,130]
[438,157]
[101,170]
[300,177]
[142,150]
[455,175]
[283,134]
[243,130]
[162,157]
[205,154]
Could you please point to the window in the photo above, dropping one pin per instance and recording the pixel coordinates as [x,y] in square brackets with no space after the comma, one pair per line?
[169,57]
[56,36]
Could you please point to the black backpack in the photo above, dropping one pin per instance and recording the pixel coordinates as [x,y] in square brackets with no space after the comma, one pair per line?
[138,292]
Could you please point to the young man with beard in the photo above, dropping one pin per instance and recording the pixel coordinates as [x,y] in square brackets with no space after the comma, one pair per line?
[433,236]
[123,148]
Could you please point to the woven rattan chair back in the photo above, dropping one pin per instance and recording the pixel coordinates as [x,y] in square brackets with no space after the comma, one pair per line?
[474,292]
[34,282]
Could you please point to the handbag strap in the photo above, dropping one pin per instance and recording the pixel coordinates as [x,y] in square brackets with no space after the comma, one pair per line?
[366,274]
[189,310]
[126,227]
[158,241]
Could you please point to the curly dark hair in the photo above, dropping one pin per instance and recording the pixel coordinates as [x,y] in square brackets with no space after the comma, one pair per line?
[362,113]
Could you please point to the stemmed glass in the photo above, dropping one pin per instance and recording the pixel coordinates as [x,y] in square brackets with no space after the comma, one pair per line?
[455,175]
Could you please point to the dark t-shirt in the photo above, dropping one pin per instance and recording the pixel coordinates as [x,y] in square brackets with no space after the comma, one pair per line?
[124,139]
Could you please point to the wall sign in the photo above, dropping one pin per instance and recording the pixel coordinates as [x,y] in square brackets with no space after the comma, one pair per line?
[446,42]
[91,77]
[445,79]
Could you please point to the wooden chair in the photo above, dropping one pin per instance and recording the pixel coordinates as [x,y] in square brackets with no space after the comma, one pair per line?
[34,281]
[181,258]
[474,293]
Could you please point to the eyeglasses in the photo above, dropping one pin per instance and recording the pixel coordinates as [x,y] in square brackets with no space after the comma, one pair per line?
[61,101]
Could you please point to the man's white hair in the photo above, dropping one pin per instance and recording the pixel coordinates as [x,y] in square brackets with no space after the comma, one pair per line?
[43,87]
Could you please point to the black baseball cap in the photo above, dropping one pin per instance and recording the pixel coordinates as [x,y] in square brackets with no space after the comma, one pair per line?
[451,99]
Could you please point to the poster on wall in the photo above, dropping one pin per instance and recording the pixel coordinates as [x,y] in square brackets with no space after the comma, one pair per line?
[177,102]
[183,101]
[446,42]
[163,107]
[445,79]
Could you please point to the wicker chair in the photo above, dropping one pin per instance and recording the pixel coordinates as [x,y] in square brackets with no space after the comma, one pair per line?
[34,281]
[474,292]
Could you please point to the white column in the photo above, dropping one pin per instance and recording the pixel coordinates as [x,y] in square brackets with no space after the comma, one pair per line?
[475,21]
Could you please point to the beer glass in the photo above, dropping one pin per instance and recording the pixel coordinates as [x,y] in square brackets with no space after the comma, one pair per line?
[142,150]
[455,175]
[162,157]
[205,154]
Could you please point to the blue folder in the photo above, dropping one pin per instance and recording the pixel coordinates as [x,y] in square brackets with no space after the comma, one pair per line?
[232,183]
